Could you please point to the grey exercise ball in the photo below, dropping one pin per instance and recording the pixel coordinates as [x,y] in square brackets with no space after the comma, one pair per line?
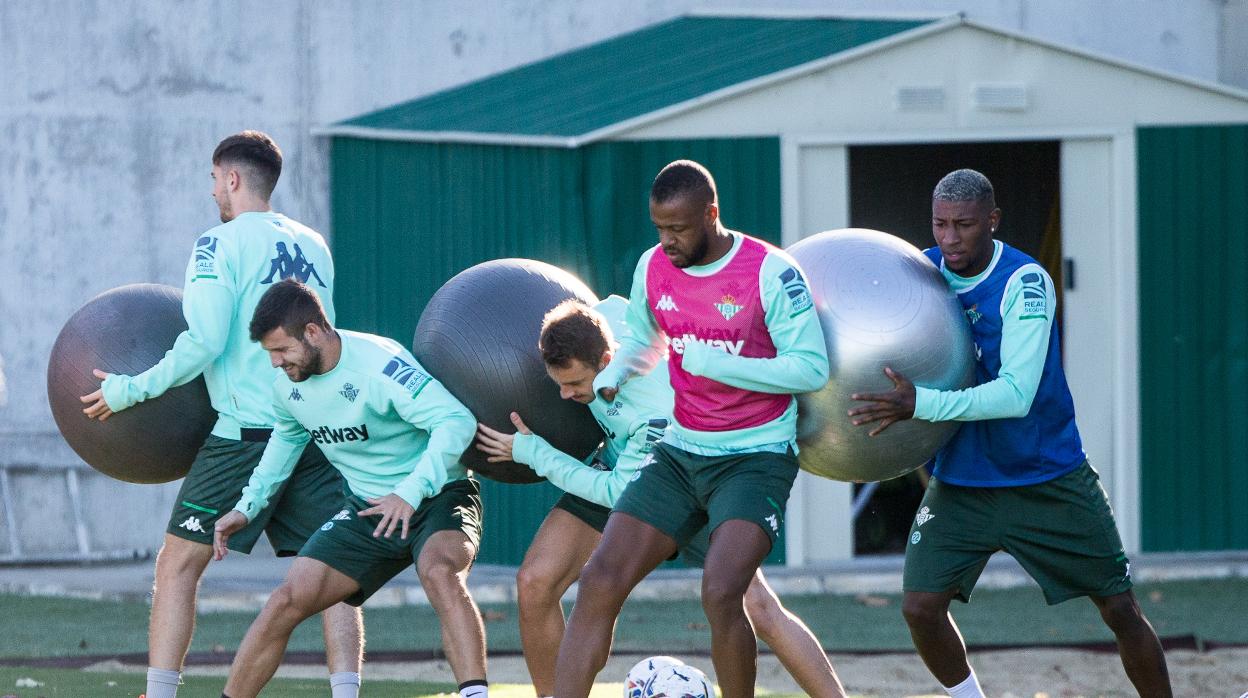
[881,303]
[478,336]
[127,330]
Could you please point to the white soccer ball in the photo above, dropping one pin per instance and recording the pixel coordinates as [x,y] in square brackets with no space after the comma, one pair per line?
[635,682]
[681,681]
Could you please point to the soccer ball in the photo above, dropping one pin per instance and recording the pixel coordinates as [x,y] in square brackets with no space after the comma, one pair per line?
[635,682]
[678,682]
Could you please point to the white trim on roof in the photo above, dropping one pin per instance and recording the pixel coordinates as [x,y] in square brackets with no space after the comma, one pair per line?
[606,132]
[395,134]
[744,11]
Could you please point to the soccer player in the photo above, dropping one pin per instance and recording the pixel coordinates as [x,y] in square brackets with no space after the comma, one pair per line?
[739,321]
[576,343]
[1014,477]
[396,435]
[225,277]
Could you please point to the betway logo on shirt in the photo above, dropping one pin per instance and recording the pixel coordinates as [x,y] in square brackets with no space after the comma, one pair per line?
[731,346]
[335,435]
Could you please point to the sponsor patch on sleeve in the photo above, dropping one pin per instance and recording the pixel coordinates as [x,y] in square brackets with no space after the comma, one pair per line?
[1035,297]
[206,258]
[405,374]
[795,288]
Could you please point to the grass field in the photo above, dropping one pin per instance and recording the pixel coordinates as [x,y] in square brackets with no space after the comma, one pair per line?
[36,629]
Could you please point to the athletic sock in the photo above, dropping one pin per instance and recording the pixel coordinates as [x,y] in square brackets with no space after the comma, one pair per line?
[969,688]
[345,684]
[162,683]
[477,688]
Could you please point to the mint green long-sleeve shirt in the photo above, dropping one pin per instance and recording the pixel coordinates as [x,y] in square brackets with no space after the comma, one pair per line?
[378,416]
[231,266]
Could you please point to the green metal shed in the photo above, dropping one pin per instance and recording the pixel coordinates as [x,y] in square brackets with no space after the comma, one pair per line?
[818,123]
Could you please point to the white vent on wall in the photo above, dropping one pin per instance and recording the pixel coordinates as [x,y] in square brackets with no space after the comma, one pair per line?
[999,96]
[919,98]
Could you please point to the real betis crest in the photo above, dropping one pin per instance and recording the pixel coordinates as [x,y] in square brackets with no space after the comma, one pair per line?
[727,306]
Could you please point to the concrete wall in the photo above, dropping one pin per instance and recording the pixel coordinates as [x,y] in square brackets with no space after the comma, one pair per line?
[109,111]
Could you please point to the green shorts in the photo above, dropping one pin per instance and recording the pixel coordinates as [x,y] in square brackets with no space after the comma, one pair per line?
[346,541]
[1061,531]
[221,469]
[594,515]
[681,493]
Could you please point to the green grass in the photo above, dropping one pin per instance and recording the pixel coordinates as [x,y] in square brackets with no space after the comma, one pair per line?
[53,627]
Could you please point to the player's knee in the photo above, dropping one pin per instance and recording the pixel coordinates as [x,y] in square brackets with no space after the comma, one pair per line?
[765,612]
[721,596]
[922,611]
[181,562]
[535,583]
[289,601]
[1121,613]
[599,581]
[438,574]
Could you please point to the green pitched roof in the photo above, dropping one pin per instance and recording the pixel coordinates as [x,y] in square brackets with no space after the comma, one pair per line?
[626,77]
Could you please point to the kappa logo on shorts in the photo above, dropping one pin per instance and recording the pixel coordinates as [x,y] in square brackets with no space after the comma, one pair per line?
[343,515]
[925,514]
[774,521]
[193,525]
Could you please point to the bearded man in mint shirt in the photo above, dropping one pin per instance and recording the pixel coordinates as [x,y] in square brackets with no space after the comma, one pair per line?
[1014,477]
[576,343]
[396,434]
[230,267]
[744,338]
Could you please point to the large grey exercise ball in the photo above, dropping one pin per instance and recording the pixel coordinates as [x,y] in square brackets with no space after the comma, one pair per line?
[128,330]
[478,336]
[881,303]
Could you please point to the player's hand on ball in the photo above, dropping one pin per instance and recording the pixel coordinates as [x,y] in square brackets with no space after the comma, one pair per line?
[96,408]
[495,444]
[393,510]
[609,394]
[886,408]
[226,526]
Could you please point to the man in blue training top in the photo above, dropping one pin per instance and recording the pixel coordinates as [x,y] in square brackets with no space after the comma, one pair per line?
[1014,477]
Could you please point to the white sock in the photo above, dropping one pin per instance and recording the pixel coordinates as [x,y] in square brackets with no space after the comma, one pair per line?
[162,683]
[474,689]
[345,684]
[967,689]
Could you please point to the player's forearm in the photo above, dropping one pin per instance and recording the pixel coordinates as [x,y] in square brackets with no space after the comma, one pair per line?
[447,442]
[567,473]
[276,465]
[795,372]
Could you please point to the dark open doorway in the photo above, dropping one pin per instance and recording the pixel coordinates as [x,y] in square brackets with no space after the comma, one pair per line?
[890,188]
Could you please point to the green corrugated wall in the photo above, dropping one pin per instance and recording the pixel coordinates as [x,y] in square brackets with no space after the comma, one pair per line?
[1193,256]
[408,216]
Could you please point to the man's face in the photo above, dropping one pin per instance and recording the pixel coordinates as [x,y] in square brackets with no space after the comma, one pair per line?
[963,230]
[221,180]
[685,225]
[576,380]
[299,358]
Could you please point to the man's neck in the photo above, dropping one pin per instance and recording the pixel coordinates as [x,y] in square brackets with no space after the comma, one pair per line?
[332,353]
[718,246]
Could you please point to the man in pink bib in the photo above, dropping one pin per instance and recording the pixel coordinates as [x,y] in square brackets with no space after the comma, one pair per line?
[736,319]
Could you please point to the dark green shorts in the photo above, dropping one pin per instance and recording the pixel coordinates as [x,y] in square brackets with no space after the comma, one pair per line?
[594,515]
[1061,531]
[222,467]
[346,541]
[680,493]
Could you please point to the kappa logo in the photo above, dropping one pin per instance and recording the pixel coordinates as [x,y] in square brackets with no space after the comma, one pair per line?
[192,524]
[349,392]
[295,395]
[284,266]
[774,521]
[925,514]
[343,515]
[407,375]
[727,306]
[206,258]
[666,304]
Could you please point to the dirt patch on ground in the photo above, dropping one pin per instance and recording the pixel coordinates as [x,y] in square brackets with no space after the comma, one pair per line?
[1030,673]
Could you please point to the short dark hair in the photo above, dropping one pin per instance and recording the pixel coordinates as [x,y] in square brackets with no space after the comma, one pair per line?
[573,330]
[289,305]
[684,178]
[965,185]
[256,153]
